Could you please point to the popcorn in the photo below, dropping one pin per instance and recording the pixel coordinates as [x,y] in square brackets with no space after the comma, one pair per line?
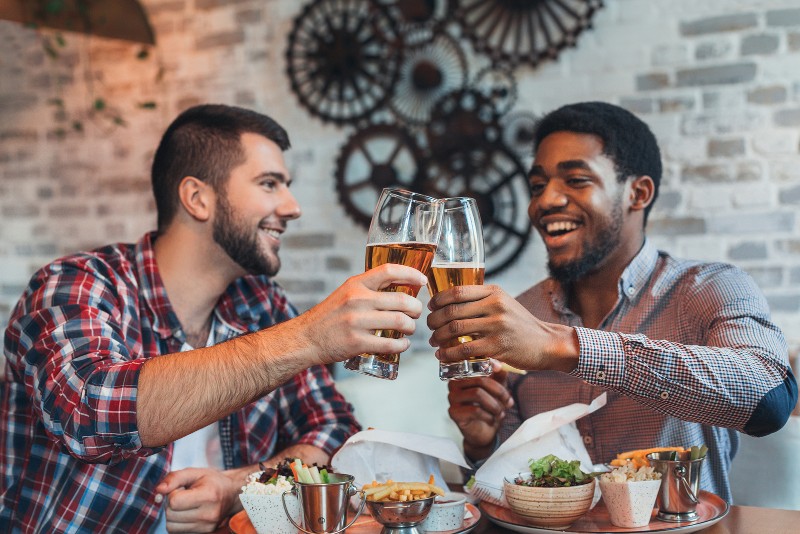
[254,487]
[629,473]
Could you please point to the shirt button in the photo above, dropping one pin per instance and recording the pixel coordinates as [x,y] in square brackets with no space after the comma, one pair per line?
[587,440]
[664,395]
[631,290]
[601,375]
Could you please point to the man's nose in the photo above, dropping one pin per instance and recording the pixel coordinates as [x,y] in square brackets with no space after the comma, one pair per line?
[553,196]
[289,208]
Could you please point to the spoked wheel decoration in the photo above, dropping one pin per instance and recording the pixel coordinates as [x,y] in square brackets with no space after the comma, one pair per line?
[343,58]
[428,73]
[417,20]
[518,128]
[500,187]
[463,126]
[381,155]
[523,31]
[499,84]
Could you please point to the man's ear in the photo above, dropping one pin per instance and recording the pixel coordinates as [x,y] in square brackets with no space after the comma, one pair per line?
[642,189]
[196,197]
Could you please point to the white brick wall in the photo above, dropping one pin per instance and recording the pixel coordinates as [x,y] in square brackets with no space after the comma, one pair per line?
[92,187]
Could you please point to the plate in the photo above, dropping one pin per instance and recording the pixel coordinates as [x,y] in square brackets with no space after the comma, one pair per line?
[240,524]
[710,510]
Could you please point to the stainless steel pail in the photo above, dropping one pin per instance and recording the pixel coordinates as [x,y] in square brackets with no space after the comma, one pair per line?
[323,507]
[680,484]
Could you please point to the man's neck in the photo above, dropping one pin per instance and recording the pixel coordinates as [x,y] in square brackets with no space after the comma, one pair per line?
[193,278]
[595,295]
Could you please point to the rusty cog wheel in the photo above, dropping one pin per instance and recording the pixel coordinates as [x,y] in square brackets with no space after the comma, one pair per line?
[523,31]
[381,155]
[428,72]
[343,58]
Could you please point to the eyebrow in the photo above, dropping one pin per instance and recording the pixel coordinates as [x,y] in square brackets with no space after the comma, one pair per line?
[571,164]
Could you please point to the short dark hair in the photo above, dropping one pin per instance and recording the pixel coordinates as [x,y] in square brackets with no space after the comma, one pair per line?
[627,140]
[205,142]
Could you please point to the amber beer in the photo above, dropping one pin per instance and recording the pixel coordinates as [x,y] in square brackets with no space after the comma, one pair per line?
[416,255]
[446,275]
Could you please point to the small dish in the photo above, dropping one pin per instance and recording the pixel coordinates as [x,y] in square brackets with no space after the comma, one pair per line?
[267,515]
[447,513]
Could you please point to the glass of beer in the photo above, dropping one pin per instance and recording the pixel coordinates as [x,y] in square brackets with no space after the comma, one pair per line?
[459,261]
[404,229]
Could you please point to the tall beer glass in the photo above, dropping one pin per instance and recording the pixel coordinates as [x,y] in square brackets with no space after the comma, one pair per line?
[459,261]
[404,229]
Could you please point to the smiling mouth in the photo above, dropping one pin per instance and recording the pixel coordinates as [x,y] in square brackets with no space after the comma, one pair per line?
[276,234]
[556,229]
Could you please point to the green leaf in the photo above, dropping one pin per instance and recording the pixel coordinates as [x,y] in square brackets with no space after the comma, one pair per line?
[99,104]
[60,41]
[147,105]
[144,53]
[119,121]
[77,126]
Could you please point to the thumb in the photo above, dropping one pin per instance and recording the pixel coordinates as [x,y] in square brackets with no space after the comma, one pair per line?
[392,273]
[175,480]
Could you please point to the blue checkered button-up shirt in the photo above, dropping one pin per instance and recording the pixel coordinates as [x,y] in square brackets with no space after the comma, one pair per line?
[688,356]
[71,459]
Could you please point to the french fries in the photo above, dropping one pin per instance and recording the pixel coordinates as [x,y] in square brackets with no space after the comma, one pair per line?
[505,367]
[639,457]
[401,491]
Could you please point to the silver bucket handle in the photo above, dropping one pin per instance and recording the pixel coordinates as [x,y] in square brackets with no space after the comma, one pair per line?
[680,473]
[350,492]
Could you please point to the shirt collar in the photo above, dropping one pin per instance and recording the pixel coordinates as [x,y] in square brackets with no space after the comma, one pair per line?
[165,322]
[638,272]
[633,279]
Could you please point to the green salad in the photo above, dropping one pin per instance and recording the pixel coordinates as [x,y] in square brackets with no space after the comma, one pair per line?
[553,472]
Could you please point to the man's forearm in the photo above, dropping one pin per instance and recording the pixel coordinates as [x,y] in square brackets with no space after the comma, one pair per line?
[180,393]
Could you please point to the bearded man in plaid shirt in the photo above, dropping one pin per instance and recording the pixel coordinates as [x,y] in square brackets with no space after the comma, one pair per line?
[685,351]
[143,382]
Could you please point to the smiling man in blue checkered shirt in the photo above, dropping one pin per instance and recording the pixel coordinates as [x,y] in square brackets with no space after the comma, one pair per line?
[685,350]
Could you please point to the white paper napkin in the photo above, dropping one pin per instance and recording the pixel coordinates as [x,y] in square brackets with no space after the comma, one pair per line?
[402,456]
[552,432]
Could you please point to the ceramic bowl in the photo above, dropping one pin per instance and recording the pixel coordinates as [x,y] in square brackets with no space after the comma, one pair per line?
[397,514]
[267,515]
[447,513]
[555,508]
[630,504]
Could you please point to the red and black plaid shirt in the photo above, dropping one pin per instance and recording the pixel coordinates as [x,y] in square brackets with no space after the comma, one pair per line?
[72,459]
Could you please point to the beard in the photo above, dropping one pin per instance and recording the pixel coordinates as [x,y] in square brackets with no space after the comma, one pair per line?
[241,243]
[595,250]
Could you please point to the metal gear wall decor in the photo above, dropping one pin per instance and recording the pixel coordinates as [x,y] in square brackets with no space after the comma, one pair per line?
[399,73]
[428,73]
[518,128]
[417,20]
[523,31]
[343,58]
[499,84]
[378,156]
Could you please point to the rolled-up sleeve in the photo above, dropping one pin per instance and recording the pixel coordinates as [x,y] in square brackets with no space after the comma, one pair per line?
[66,341]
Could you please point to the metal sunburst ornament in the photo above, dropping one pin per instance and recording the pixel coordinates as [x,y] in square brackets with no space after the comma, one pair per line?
[523,31]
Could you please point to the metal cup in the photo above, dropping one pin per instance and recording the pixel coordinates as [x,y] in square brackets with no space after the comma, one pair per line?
[680,483]
[324,506]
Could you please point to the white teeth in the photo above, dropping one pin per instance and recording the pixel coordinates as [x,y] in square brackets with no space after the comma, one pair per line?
[273,233]
[561,226]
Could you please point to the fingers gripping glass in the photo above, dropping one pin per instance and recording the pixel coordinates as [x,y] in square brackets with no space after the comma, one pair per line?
[458,261]
[404,229]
